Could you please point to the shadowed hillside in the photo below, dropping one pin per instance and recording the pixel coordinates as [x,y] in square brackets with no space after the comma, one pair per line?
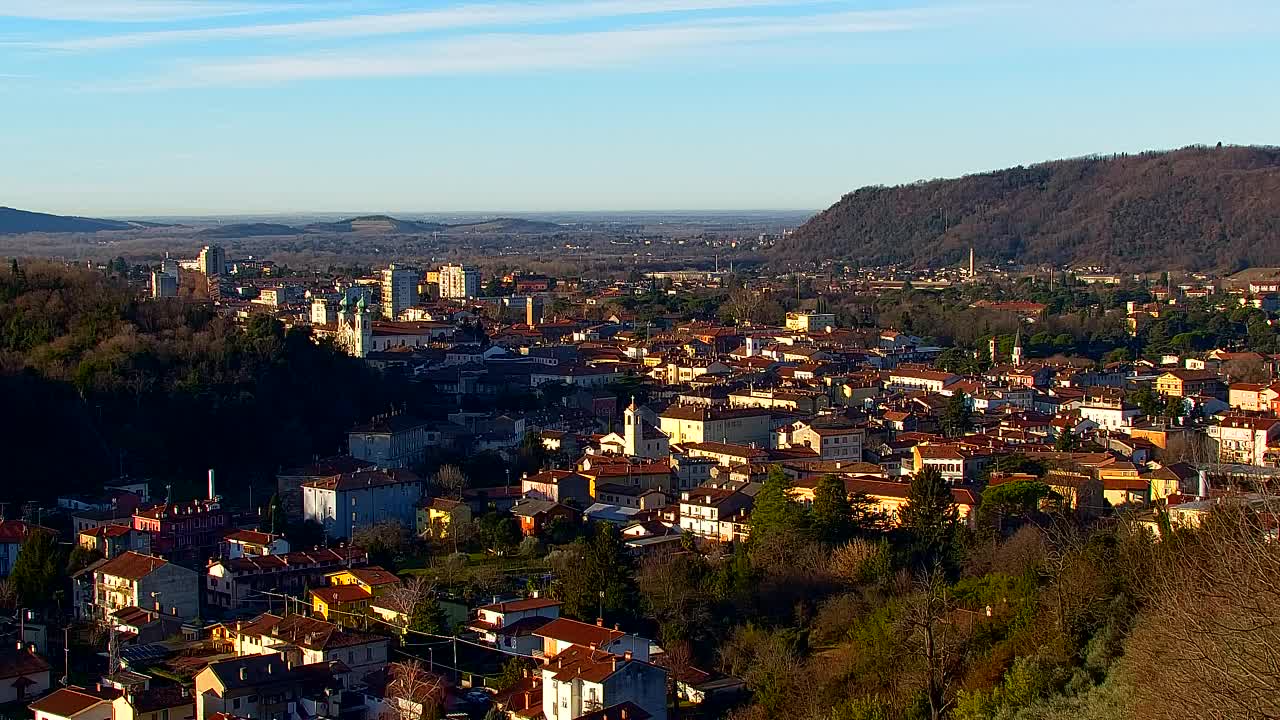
[1195,208]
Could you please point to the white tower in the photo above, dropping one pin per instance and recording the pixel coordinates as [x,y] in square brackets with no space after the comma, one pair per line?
[630,430]
[362,329]
[1017,350]
[971,273]
[992,347]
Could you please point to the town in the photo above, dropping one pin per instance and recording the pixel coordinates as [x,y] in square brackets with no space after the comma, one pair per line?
[610,497]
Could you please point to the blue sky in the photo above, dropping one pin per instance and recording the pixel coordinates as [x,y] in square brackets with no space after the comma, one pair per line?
[133,107]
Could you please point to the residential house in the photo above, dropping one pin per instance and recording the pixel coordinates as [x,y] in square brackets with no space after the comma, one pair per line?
[346,599]
[706,512]
[72,704]
[23,675]
[585,682]
[135,580]
[114,540]
[439,517]
[929,380]
[889,496]
[832,441]
[240,583]
[251,543]
[1243,439]
[1251,397]
[557,486]
[693,424]
[168,702]
[629,496]
[345,503]
[303,640]
[396,440]
[289,483]
[1080,493]
[13,533]
[535,514]
[184,533]
[1109,410]
[562,633]
[510,625]
[789,400]
[1187,383]
[266,687]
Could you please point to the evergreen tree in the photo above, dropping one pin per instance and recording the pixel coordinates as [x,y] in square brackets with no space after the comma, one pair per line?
[832,514]
[39,571]
[1066,441]
[929,516]
[957,419]
[601,579]
[277,518]
[775,509]
[428,616]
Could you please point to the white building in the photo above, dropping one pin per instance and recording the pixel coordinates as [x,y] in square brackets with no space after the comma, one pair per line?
[459,281]
[307,641]
[709,512]
[345,503]
[1109,413]
[399,290]
[212,260]
[582,680]
[323,312]
[810,322]
[1243,440]
[640,436]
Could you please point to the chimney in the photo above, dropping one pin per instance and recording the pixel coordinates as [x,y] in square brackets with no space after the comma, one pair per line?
[158,609]
[627,655]
[173,610]
[599,622]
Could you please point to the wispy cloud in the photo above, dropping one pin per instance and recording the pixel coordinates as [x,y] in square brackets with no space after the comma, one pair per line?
[131,10]
[514,52]
[462,16]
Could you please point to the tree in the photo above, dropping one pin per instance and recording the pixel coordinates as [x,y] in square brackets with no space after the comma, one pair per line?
[775,509]
[428,616]
[278,519]
[957,418]
[450,481]
[413,692]
[600,579]
[937,640]
[929,516]
[832,513]
[81,557]
[1066,441]
[385,542]
[40,570]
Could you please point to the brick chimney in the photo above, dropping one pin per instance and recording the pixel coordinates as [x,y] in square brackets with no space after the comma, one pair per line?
[599,622]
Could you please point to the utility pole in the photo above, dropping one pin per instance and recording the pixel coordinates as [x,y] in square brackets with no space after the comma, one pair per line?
[66,656]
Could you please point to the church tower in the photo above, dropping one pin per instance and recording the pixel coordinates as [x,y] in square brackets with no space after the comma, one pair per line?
[631,430]
[362,330]
[1017,350]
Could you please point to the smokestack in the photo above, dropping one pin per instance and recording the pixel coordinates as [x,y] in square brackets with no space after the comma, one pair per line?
[212,495]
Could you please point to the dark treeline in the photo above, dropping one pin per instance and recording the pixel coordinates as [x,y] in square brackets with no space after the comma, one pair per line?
[1195,208]
[95,382]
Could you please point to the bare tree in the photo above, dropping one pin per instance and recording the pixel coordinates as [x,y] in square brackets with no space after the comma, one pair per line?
[412,692]
[405,598]
[450,481]
[937,633]
[1208,644]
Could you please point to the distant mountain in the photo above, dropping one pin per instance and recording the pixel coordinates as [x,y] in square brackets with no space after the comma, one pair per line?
[244,230]
[17,222]
[509,225]
[1195,208]
[382,224]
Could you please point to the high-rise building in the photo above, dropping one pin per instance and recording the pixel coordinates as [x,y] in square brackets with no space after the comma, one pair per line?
[323,312]
[163,284]
[399,290]
[459,281]
[212,260]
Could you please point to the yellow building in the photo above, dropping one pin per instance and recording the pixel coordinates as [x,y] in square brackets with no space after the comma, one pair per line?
[346,599]
[436,518]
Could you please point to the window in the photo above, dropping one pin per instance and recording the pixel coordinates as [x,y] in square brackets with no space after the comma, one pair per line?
[235,704]
[253,698]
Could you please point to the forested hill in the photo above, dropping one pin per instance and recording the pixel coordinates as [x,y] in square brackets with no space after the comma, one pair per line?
[1195,208]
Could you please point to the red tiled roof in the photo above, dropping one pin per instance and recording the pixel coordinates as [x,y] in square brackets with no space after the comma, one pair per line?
[340,594]
[65,702]
[521,605]
[578,633]
[131,565]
